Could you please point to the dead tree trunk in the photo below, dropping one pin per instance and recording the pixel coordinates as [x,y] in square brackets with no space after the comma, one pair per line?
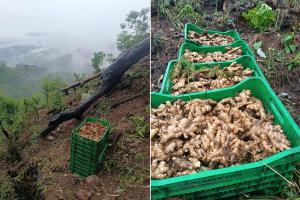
[111,76]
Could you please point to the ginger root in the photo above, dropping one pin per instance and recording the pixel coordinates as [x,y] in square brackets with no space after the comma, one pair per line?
[187,80]
[210,39]
[204,133]
[218,56]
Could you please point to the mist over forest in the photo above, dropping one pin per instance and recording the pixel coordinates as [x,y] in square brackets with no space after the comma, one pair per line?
[56,39]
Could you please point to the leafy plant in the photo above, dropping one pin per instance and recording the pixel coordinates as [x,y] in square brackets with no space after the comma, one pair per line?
[98,60]
[157,44]
[295,61]
[257,45]
[110,58]
[53,96]
[11,124]
[179,12]
[141,127]
[261,17]
[288,43]
[31,104]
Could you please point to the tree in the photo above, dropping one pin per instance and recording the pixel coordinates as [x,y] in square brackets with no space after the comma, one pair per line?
[110,58]
[98,60]
[51,89]
[134,30]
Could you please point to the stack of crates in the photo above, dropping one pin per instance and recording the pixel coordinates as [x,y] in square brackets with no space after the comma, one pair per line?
[227,182]
[87,155]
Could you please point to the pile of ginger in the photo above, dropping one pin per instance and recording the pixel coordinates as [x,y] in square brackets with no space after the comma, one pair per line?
[186,80]
[189,136]
[217,56]
[210,39]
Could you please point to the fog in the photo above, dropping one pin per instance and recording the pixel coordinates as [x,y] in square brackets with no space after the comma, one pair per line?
[58,28]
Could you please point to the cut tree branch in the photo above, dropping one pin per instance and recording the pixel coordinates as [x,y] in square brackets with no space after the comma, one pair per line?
[111,76]
[80,83]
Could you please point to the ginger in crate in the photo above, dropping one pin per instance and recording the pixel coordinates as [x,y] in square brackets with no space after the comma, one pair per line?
[196,57]
[210,39]
[187,79]
[92,131]
[189,136]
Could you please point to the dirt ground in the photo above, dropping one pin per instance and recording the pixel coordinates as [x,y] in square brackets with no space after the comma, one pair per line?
[124,174]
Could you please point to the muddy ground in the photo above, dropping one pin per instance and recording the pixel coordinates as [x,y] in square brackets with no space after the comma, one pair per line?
[125,171]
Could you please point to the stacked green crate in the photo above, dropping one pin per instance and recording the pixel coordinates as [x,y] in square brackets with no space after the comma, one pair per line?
[240,179]
[87,155]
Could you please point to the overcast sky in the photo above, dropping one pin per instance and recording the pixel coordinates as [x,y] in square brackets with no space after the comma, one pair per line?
[65,23]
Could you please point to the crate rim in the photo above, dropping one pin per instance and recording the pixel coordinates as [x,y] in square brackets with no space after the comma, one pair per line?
[107,127]
[180,52]
[224,171]
[187,25]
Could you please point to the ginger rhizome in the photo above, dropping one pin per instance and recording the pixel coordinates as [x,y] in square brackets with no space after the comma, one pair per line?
[189,136]
[196,57]
[210,39]
[187,79]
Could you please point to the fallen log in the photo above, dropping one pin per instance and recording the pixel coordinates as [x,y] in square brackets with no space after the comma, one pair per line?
[111,76]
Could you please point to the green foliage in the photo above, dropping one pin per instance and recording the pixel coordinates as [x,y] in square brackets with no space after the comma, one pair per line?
[53,96]
[261,17]
[157,44]
[188,14]
[179,12]
[257,45]
[6,190]
[295,61]
[288,43]
[161,7]
[32,104]
[98,60]
[11,115]
[12,120]
[141,127]
[134,30]
[110,58]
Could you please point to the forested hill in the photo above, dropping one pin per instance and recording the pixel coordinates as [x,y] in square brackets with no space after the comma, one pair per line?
[25,80]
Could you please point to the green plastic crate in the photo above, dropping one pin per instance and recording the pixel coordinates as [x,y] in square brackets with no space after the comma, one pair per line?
[86,148]
[191,27]
[84,168]
[245,61]
[245,178]
[206,49]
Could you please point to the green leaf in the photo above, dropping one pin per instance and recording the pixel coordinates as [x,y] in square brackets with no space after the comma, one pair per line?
[257,45]
[292,47]
[290,66]
[287,50]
